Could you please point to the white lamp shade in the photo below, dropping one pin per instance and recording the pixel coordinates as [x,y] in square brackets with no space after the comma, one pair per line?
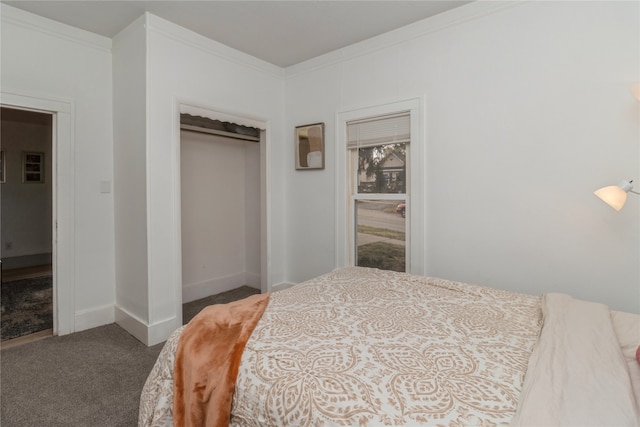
[614,195]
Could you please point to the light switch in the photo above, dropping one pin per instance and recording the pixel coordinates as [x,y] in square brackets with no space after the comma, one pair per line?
[105,187]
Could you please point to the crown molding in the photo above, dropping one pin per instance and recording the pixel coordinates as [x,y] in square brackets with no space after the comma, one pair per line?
[212,47]
[471,11]
[49,27]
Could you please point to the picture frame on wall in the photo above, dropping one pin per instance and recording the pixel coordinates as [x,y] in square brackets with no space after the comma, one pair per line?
[3,168]
[309,141]
[32,167]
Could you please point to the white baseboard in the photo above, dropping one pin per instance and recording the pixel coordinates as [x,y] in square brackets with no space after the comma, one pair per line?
[147,334]
[195,291]
[252,279]
[160,331]
[281,286]
[131,324]
[94,317]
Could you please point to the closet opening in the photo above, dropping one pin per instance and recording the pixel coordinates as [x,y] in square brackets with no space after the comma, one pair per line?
[221,188]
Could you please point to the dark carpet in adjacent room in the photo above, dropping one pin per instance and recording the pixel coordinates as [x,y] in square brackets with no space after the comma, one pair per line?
[27,306]
[89,378]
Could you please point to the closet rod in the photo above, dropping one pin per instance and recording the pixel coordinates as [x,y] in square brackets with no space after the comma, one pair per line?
[219,133]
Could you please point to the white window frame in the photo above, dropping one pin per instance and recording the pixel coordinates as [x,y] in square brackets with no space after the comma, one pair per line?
[415,191]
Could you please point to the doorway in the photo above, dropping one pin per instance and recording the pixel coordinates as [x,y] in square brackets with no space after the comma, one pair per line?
[220,199]
[26,232]
[222,182]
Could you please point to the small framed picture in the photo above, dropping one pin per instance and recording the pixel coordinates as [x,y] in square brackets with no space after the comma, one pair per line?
[33,167]
[309,140]
[3,168]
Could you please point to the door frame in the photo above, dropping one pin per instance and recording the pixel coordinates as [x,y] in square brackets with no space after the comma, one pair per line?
[197,107]
[63,212]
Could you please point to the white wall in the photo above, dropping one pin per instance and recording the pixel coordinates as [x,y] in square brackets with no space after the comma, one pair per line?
[46,60]
[217,205]
[184,67]
[130,176]
[528,110]
[26,207]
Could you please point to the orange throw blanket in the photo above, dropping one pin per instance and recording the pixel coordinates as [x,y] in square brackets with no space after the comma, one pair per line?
[208,359]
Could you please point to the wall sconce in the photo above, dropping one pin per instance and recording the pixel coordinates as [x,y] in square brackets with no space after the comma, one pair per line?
[615,195]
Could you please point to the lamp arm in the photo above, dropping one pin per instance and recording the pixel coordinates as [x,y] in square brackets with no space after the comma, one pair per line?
[630,190]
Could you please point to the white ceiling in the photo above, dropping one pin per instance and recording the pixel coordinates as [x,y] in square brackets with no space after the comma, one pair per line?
[283,33]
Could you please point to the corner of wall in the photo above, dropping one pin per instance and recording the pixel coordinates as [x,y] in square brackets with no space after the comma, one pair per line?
[282,286]
[94,317]
[53,28]
[147,334]
[190,38]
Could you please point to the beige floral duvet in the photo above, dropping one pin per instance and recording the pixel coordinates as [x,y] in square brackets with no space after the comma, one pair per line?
[363,346]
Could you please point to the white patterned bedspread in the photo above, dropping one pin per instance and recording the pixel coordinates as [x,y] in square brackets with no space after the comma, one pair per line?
[362,346]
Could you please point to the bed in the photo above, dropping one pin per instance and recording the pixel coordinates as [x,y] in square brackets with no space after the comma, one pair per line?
[362,346]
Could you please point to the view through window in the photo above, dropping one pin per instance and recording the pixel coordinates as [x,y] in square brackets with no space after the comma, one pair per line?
[379,158]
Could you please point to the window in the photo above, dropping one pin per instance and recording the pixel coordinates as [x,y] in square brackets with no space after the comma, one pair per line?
[378,162]
[360,130]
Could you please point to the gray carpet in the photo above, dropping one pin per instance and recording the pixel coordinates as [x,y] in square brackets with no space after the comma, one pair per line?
[190,309]
[89,378]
